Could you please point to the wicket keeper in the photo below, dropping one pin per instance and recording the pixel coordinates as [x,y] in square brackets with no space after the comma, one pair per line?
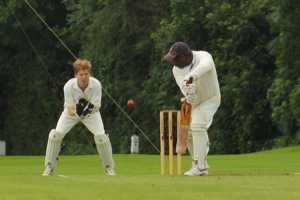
[82,101]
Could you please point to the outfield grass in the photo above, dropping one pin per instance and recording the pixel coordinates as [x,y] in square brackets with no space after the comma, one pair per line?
[273,174]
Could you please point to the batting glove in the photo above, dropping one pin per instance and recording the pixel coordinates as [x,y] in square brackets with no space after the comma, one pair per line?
[80,105]
[191,98]
[188,88]
[182,99]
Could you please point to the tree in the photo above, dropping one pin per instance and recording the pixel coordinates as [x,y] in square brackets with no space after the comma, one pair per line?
[254,45]
[284,93]
[117,42]
[32,67]
[237,37]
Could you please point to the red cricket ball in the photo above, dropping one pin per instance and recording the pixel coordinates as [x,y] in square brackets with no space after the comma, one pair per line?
[130,103]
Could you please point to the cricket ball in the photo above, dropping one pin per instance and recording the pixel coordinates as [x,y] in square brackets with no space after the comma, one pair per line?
[130,103]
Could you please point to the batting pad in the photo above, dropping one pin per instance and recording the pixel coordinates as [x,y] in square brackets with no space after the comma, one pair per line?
[104,149]
[53,148]
[200,141]
[190,145]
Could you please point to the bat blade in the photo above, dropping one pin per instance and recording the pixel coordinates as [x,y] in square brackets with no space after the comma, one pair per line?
[183,130]
[182,139]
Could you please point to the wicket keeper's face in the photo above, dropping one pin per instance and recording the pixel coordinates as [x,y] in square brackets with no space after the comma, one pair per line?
[83,77]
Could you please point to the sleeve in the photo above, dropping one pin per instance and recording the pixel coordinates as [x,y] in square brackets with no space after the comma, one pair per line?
[69,100]
[97,95]
[205,65]
[179,76]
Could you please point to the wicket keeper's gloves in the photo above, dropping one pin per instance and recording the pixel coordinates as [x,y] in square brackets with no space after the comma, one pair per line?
[88,110]
[80,105]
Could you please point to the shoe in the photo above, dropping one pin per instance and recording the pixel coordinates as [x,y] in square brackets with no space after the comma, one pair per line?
[203,172]
[48,171]
[195,171]
[109,171]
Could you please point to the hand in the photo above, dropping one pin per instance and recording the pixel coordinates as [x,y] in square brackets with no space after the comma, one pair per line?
[88,111]
[191,97]
[188,88]
[80,105]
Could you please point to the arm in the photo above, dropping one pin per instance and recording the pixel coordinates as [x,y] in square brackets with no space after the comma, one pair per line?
[179,75]
[69,101]
[205,64]
[95,100]
[97,95]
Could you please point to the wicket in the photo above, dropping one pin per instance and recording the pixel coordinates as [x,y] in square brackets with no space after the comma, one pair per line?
[169,114]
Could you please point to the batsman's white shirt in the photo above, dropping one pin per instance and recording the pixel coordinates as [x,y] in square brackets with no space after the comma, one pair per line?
[205,77]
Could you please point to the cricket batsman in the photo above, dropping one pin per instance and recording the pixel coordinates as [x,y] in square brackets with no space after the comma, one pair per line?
[204,96]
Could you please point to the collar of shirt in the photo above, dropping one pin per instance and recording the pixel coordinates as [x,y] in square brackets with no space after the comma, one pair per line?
[190,66]
[193,62]
[90,85]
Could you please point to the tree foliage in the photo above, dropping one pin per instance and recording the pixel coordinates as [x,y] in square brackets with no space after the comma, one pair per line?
[254,45]
[284,93]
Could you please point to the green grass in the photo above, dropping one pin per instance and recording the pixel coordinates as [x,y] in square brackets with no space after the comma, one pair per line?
[273,174]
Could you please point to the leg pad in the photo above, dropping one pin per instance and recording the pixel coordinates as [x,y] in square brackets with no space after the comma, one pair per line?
[53,148]
[105,150]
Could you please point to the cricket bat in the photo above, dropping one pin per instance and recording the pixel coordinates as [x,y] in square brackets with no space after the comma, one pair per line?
[184,126]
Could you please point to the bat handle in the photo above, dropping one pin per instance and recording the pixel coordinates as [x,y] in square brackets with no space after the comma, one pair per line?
[189,81]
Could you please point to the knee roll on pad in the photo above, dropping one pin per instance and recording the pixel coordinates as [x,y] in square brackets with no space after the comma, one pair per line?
[198,127]
[53,148]
[200,131]
[104,149]
[55,136]
[101,139]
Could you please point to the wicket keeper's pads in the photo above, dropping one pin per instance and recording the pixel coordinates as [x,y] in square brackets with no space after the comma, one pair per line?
[183,130]
[53,148]
[104,149]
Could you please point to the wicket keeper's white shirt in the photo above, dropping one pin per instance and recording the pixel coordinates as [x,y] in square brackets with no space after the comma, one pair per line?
[92,93]
[205,77]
